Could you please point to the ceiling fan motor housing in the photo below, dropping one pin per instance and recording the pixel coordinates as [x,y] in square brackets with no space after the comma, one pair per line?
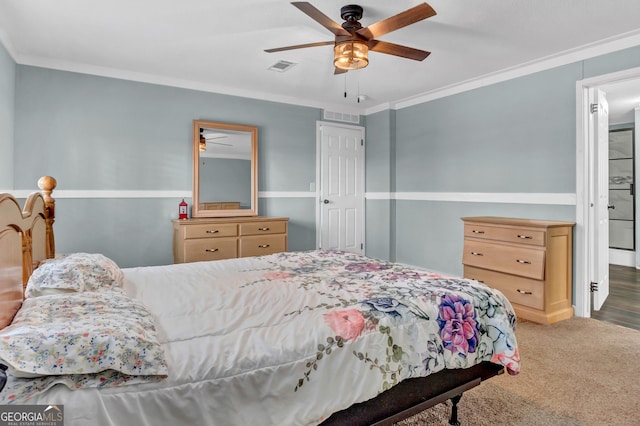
[351,14]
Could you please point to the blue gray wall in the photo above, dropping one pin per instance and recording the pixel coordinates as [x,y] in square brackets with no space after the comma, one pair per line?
[379,178]
[517,136]
[96,133]
[7,107]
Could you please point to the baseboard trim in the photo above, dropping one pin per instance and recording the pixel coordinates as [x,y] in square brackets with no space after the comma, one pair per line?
[622,257]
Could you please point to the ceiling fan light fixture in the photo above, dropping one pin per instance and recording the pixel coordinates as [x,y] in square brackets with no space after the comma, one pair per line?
[351,55]
[203,142]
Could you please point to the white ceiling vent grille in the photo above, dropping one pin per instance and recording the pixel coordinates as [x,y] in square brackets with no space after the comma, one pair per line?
[282,66]
[342,116]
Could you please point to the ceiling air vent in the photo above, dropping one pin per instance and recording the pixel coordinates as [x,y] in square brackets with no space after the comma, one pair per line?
[342,116]
[281,66]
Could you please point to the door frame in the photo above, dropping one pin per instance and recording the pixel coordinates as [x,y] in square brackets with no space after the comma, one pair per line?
[318,197]
[585,175]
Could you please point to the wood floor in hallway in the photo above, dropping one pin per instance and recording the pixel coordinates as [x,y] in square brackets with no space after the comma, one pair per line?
[622,307]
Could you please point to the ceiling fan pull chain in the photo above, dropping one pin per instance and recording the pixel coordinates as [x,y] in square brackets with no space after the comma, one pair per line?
[345,85]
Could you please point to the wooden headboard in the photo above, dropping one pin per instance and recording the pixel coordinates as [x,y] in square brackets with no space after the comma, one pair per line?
[26,238]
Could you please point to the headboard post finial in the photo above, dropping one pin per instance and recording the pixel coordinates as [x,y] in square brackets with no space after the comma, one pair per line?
[47,184]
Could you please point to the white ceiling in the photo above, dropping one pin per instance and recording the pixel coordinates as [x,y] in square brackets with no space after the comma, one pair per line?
[219,45]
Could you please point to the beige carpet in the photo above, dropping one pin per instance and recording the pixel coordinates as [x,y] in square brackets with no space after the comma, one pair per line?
[576,372]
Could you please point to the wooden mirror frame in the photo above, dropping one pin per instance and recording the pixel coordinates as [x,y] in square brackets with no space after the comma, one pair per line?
[196,211]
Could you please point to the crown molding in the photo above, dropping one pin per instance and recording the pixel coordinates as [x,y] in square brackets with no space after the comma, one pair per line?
[8,46]
[601,47]
[77,67]
[609,45]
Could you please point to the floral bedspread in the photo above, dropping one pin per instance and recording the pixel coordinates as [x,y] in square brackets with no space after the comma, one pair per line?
[429,322]
[290,338]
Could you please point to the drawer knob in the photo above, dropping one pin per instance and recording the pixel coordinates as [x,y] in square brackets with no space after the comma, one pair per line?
[523,262]
[263,229]
[263,245]
[523,291]
[525,237]
[475,253]
[213,250]
[212,231]
[475,231]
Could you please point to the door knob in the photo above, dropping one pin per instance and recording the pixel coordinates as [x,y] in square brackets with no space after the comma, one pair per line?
[612,207]
[325,201]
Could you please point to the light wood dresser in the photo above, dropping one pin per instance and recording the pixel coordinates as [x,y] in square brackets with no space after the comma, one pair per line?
[530,261]
[195,240]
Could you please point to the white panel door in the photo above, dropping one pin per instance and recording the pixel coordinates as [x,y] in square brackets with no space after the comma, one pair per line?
[600,243]
[341,187]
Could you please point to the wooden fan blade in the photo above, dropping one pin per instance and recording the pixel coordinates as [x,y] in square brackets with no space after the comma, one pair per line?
[300,46]
[397,50]
[320,18]
[339,71]
[402,19]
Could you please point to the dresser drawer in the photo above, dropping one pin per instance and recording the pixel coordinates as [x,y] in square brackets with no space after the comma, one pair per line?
[210,249]
[520,290]
[522,261]
[260,228]
[510,235]
[262,244]
[528,260]
[224,238]
[210,230]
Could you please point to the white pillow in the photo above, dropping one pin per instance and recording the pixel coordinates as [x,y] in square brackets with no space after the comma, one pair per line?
[82,333]
[75,272]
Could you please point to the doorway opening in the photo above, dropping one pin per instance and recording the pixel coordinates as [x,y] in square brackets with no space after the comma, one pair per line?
[587,252]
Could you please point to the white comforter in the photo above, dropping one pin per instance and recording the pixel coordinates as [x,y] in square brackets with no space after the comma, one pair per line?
[288,339]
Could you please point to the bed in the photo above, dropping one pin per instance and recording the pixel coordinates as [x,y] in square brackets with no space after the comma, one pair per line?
[298,338]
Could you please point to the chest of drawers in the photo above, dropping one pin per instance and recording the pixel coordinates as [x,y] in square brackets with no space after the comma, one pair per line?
[196,240]
[530,261]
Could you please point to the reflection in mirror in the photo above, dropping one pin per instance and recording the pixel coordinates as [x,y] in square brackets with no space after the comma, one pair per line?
[225,169]
[225,157]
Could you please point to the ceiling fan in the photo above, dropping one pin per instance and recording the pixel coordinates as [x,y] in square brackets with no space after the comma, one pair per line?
[208,138]
[353,41]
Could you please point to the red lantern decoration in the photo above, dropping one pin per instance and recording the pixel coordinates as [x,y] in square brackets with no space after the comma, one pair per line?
[182,210]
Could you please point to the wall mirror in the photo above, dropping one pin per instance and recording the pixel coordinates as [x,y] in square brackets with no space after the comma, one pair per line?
[225,169]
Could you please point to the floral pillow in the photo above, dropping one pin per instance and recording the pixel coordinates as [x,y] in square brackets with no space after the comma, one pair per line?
[82,333]
[75,272]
